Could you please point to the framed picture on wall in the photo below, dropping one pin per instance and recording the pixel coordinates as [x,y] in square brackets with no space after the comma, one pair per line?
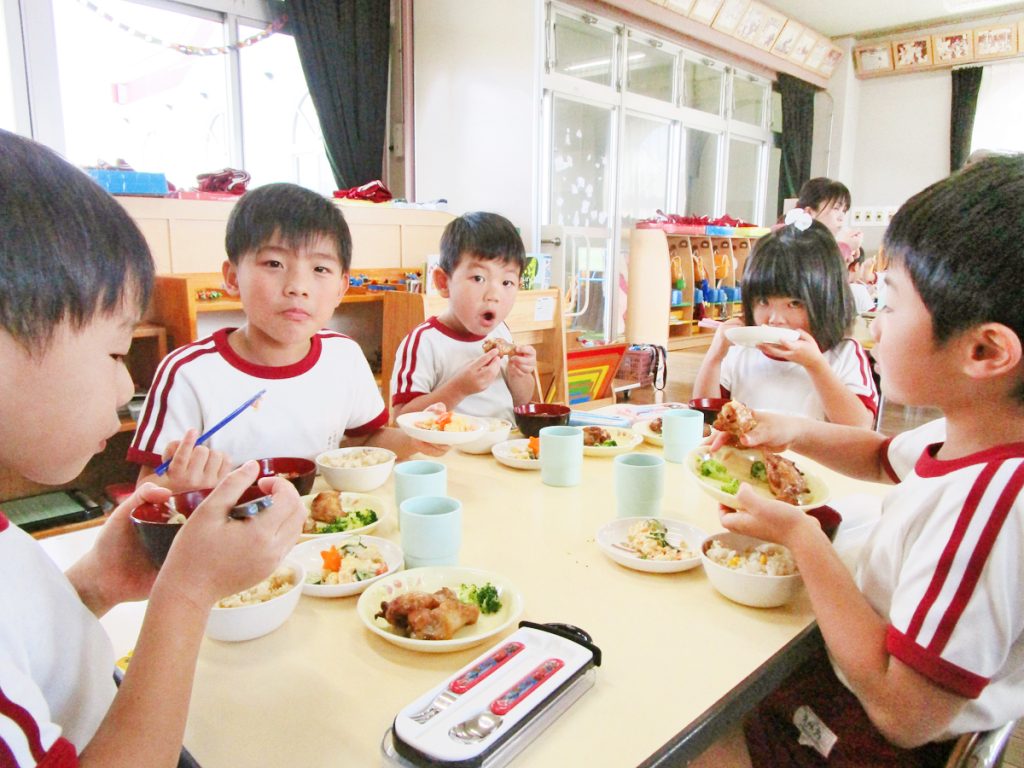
[953,47]
[729,15]
[786,42]
[916,52]
[805,44]
[679,6]
[831,61]
[872,59]
[704,10]
[993,42]
[818,53]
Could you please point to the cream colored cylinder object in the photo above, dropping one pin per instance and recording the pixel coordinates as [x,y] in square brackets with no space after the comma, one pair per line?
[647,294]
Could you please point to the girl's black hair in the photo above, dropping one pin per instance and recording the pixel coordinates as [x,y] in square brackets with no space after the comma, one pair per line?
[68,250]
[961,241]
[484,235]
[804,265]
[294,214]
[819,192]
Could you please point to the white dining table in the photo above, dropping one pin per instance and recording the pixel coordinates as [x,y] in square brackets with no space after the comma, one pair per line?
[680,662]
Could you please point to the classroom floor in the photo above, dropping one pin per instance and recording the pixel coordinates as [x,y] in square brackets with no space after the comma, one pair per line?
[682,370]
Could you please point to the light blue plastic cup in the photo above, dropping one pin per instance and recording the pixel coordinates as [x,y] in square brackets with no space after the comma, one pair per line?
[682,430]
[431,530]
[639,484]
[561,455]
[420,478]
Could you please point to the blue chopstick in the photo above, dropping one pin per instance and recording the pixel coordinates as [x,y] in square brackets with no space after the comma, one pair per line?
[223,422]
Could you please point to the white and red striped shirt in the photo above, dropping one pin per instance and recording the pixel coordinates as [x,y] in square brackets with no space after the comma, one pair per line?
[308,408]
[56,661]
[945,566]
[432,353]
[764,383]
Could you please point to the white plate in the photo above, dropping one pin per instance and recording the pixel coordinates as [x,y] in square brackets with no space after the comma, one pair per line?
[739,462]
[626,440]
[643,428]
[308,553]
[617,531]
[752,335]
[350,501]
[431,580]
[408,421]
[503,453]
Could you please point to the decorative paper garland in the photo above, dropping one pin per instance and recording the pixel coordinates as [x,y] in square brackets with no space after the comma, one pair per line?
[189,50]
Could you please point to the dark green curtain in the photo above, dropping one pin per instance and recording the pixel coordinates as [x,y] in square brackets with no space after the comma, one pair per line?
[343,47]
[797,133]
[966,84]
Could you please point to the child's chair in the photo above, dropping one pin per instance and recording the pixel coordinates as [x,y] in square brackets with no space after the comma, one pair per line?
[983,749]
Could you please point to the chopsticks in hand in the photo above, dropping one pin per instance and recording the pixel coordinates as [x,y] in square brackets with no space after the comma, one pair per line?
[160,470]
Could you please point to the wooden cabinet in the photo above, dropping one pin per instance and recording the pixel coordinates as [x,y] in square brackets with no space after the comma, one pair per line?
[535,319]
[187,236]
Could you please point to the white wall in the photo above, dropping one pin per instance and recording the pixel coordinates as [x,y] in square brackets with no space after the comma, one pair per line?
[477,106]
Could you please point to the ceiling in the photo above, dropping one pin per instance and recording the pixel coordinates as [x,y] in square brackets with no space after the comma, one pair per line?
[838,18]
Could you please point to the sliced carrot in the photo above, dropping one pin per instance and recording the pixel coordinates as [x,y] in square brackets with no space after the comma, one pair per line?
[533,446]
[443,420]
[332,559]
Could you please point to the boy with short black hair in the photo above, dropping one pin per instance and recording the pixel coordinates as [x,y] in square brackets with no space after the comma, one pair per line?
[75,276]
[443,360]
[926,638]
[289,252]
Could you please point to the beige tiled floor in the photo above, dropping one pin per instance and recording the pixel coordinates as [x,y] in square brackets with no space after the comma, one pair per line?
[682,370]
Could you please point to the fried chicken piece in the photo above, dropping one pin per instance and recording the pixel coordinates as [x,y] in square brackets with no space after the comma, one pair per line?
[785,481]
[595,435]
[424,616]
[656,426]
[326,507]
[735,419]
[505,348]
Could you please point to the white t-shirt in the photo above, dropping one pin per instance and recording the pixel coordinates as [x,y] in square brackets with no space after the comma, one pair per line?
[308,408]
[56,662]
[753,378]
[945,567]
[862,297]
[433,353]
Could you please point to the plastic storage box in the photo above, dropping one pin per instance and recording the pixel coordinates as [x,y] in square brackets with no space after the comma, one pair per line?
[129,182]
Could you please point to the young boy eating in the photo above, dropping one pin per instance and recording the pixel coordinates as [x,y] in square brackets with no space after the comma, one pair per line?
[289,251]
[465,357]
[925,640]
[75,275]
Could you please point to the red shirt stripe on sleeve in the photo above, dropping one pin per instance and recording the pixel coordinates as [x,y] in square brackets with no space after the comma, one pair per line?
[886,465]
[935,668]
[61,755]
[371,426]
[25,722]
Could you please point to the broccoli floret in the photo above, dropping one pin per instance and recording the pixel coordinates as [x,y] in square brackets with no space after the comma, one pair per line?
[730,486]
[356,519]
[715,470]
[485,597]
[609,444]
[758,471]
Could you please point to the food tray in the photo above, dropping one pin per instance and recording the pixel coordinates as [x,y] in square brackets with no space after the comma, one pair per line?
[412,744]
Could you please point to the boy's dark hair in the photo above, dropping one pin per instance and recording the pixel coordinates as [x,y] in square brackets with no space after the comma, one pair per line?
[961,241]
[68,250]
[819,192]
[294,214]
[805,265]
[484,235]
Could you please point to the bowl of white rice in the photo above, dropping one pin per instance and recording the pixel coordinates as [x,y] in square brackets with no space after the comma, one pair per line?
[750,571]
[261,609]
[359,469]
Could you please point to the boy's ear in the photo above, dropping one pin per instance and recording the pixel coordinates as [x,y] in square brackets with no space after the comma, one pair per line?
[993,350]
[344,285]
[441,279]
[230,273]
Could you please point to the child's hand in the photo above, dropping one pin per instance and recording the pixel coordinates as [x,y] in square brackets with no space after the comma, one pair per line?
[404,446]
[194,466]
[214,556]
[523,362]
[477,375]
[720,343]
[774,431]
[766,519]
[804,351]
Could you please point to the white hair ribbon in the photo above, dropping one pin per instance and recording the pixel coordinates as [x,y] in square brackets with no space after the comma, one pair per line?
[799,218]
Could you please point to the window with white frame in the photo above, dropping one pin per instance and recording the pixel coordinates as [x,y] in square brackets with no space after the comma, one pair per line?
[119,91]
[1000,110]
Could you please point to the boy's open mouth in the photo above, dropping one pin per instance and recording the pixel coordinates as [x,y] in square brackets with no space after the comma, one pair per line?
[489,317]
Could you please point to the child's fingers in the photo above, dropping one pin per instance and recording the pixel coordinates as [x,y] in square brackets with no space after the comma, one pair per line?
[226,494]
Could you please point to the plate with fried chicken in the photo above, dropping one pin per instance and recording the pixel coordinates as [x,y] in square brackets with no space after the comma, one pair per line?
[439,609]
[609,441]
[333,512]
[650,431]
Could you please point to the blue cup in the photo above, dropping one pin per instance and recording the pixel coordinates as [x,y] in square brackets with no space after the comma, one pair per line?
[682,430]
[431,530]
[639,484]
[561,455]
[420,478]
[677,297]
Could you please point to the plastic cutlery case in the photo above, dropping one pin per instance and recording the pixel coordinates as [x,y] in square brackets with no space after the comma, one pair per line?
[524,692]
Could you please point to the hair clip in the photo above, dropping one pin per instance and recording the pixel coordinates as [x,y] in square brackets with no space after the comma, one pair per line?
[799,218]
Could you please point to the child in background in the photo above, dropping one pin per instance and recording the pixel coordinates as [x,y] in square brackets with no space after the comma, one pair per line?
[829,201]
[861,295]
[926,639]
[443,360]
[76,275]
[795,279]
[289,251]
